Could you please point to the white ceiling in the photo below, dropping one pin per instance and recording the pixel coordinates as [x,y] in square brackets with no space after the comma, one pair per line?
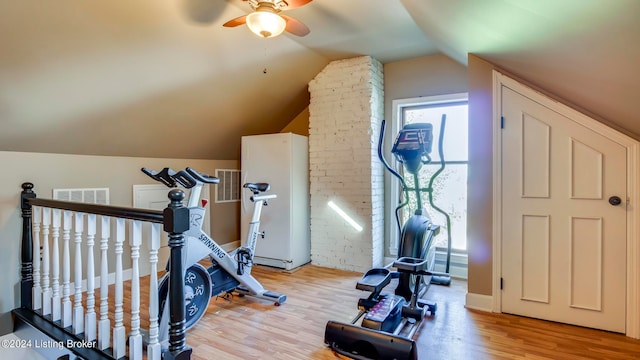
[165,79]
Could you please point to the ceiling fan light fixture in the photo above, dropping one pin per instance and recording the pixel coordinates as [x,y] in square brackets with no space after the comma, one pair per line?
[266,23]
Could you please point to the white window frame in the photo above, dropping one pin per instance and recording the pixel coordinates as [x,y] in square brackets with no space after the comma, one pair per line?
[393,186]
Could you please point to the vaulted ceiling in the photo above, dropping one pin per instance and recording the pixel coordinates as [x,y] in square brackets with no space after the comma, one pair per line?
[165,79]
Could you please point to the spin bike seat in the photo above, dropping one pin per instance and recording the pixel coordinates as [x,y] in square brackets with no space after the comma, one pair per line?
[257,187]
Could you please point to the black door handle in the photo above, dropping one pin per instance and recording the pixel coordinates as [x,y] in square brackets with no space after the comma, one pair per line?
[615,200]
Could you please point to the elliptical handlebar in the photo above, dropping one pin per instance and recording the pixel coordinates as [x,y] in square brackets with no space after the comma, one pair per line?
[381,156]
[443,123]
[394,173]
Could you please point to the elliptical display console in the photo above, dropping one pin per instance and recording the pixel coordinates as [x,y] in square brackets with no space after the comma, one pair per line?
[413,146]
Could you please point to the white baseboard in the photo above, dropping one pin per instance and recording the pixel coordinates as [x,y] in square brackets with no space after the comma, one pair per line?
[479,302]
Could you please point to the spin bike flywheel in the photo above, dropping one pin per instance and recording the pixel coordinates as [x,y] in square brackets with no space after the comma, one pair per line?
[197,293]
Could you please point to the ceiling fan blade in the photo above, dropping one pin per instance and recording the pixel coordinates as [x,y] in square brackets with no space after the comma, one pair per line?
[292,4]
[236,22]
[296,27]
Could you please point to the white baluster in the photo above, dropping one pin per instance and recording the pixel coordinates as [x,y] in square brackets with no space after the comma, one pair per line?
[135,338]
[154,349]
[78,311]
[104,335]
[55,266]
[90,316]
[46,289]
[119,339]
[67,315]
[37,290]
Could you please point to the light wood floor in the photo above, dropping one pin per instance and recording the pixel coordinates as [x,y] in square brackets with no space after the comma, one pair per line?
[248,328]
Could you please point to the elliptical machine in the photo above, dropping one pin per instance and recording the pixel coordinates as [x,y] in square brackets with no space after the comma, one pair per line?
[412,148]
[390,321]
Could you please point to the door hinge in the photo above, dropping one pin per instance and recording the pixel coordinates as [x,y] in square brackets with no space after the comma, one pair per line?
[501,122]
[501,283]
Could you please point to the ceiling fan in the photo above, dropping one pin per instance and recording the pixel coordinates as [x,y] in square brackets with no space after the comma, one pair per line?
[266,20]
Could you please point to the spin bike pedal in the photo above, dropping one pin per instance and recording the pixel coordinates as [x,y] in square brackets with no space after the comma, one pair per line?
[243,258]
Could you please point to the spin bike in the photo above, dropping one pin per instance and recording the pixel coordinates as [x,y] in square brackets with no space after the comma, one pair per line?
[229,272]
[390,321]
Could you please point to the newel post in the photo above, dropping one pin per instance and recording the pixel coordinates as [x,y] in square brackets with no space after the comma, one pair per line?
[26,266]
[176,222]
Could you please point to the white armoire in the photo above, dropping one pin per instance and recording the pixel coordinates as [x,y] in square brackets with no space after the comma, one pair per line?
[282,160]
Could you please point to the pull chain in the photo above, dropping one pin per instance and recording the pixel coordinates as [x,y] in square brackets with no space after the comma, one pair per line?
[264,70]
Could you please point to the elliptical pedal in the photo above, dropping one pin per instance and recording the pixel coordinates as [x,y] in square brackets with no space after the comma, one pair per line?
[374,280]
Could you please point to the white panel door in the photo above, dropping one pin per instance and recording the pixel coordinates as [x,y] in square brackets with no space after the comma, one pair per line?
[563,243]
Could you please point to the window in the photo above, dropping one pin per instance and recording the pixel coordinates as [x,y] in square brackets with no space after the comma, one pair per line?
[450,186]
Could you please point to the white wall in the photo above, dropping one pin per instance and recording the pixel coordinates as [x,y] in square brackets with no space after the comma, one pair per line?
[346,109]
[49,171]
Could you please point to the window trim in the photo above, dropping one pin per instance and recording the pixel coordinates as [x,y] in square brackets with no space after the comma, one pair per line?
[392,185]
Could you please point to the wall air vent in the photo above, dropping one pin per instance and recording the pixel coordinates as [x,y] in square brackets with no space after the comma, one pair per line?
[228,189]
[88,195]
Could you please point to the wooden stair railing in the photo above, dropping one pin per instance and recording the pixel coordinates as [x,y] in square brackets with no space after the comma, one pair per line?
[46,303]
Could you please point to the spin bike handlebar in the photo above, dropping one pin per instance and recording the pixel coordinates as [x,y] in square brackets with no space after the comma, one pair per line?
[203,178]
[186,179]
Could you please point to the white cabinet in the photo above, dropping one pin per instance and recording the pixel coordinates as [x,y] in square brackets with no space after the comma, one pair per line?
[282,160]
